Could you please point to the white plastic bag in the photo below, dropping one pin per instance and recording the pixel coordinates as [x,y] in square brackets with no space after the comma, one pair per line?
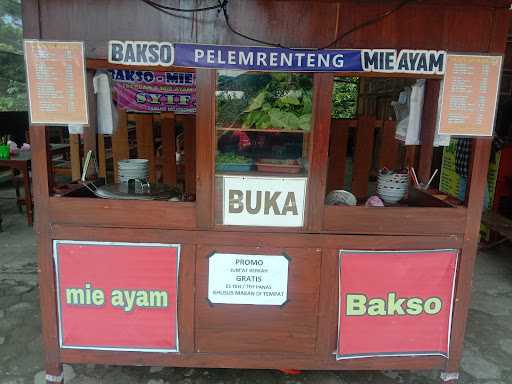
[408,111]
[106,112]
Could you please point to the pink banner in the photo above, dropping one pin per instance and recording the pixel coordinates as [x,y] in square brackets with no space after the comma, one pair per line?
[147,91]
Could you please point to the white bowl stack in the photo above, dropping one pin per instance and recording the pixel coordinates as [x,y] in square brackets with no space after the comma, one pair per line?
[392,187]
[132,169]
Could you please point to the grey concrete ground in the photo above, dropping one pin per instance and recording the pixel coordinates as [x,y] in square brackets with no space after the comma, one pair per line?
[487,357]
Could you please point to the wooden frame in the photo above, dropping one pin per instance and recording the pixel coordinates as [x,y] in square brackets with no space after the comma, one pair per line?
[326,229]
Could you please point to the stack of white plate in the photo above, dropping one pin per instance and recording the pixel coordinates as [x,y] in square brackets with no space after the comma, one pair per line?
[392,187]
[132,169]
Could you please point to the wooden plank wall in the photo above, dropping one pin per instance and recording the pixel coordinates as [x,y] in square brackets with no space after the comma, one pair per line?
[389,153]
[338,142]
[168,149]
[454,25]
[366,152]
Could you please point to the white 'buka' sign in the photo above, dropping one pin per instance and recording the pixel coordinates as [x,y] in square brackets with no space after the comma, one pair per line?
[264,201]
[248,279]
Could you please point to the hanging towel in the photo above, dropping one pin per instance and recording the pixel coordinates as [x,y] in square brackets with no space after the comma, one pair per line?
[408,111]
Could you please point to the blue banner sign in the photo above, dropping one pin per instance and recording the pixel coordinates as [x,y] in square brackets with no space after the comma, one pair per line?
[276,59]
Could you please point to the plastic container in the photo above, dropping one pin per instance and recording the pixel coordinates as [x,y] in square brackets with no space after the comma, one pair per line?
[233,167]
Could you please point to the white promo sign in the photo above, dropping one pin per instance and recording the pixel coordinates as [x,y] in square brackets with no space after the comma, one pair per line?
[264,201]
[248,279]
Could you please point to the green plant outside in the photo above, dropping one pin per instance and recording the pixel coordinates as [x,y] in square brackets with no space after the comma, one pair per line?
[278,101]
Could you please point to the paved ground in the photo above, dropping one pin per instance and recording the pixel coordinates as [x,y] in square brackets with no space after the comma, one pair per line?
[487,357]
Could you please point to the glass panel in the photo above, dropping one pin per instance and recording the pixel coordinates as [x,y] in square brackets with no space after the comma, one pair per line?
[145,143]
[263,122]
[368,160]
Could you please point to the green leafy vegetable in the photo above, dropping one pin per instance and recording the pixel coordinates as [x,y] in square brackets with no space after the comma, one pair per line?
[257,102]
[305,122]
[232,158]
[283,103]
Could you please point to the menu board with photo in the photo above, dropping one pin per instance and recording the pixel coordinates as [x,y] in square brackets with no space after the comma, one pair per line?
[56,82]
[469,95]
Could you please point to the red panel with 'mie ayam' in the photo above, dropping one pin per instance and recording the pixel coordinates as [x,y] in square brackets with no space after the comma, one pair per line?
[119,296]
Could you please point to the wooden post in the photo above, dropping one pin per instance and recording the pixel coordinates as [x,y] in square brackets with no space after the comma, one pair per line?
[74,152]
[319,148]
[479,167]
[40,186]
[102,157]
[388,151]
[189,138]
[411,152]
[363,155]
[337,154]
[90,130]
[428,128]
[120,147]
[168,149]
[205,146]
[47,290]
[477,183]
[145,141]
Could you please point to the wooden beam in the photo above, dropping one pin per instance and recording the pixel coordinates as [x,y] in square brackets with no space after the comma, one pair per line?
[189,142]
[145,141]
[102,156]
[120,148]
[428,129]
[319,148]
[74,153]
[389,146]
[168,149]
[47,289]
[363,155]
[205,146]
[411,152]
[89,134]
[337,154]
[478,183]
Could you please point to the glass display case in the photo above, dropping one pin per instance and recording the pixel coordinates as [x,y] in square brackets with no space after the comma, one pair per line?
[263,127]
[263,122]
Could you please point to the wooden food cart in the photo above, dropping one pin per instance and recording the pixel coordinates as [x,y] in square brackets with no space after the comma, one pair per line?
[280,279]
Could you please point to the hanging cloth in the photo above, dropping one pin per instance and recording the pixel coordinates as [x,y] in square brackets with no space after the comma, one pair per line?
[106,111]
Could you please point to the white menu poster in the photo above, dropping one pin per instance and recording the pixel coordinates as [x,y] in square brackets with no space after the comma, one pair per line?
[57,92]
[469,95]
